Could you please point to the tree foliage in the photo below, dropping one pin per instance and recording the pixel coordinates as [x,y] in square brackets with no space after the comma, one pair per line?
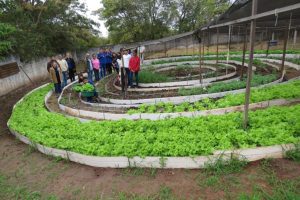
[5,39]
[140,20]
[45,27]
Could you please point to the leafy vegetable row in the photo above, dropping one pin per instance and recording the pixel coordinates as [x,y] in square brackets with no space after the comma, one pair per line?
[170,137]
[233,85]
[284,91]
[83,88]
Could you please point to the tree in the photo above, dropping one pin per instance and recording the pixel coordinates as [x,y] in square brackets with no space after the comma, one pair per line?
[140,20]
[130,21]
[6,41]
[47,27]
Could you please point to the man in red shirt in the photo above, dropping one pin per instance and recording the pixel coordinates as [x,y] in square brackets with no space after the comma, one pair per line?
[134,67]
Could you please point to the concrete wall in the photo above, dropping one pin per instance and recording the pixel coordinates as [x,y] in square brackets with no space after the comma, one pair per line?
[36,71]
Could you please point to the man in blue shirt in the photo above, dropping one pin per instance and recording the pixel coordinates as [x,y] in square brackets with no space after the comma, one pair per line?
[102,58]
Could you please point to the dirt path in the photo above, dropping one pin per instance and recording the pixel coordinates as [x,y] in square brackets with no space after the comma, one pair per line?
[23,166]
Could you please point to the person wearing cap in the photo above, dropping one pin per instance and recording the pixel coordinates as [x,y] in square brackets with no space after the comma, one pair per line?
[89,67]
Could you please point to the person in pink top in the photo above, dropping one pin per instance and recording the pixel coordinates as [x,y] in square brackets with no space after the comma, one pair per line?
[96,67]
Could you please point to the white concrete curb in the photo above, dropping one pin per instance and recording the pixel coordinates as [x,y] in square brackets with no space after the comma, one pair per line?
[180,99]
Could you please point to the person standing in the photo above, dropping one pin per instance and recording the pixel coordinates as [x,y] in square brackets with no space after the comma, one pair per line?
[56,76]
[141,51]
[64,68]
[126,58]
[115,63]
[89,67]
[102,58]
[134,67]
[49,64]
[71,66]
[96,67]
[108,61]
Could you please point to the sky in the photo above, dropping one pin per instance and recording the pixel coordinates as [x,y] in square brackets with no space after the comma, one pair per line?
[93,5]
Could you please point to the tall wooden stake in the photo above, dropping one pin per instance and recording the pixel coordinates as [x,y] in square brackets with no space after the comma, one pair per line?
[200,62]
[284,50]
[244,52]
[217,54]
[249,77]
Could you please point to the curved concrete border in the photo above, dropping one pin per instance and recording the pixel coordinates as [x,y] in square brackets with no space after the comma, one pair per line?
[149,61]
[173,87]
[253,154]
[187,83]
[286,63]
[180,99]
[83,114]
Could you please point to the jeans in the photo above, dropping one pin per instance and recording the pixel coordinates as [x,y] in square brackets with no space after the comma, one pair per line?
[57,87]
[123,79]
[136,74]
[129,75]
[103,71]
[90,75]
[65,80]
[96,72]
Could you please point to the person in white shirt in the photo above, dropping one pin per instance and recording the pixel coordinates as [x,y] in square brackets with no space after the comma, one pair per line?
[126,59]
[64,68]
[141,51]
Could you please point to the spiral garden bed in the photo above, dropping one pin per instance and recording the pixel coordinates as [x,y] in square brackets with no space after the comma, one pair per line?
[160,129]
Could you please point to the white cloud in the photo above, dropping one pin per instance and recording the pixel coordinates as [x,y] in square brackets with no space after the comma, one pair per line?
[93,5]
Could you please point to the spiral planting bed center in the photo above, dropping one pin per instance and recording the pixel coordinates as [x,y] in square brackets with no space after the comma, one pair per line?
[177,122]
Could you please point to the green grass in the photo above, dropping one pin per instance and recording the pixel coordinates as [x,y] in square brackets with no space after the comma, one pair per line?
[9,191]
[151,77]
[294,154]
[164,193]
[222,87]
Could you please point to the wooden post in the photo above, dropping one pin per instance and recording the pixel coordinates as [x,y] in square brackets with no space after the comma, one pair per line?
[200,64]
[295,38]
[123,77]
[284,50]
[217,54]
[186,46]
[249,77]
[244,52]
[228,49]
[203,50]
[165,48]
[208,40]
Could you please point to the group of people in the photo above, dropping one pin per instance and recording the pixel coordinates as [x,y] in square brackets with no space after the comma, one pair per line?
[125,63]
[60,69]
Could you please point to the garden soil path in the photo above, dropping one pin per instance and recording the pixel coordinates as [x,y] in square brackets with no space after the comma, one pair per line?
[24,166]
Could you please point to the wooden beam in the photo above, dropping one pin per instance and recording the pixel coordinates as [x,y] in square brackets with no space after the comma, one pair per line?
[244,52]
[256,16]
[251,53]
[286,32]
